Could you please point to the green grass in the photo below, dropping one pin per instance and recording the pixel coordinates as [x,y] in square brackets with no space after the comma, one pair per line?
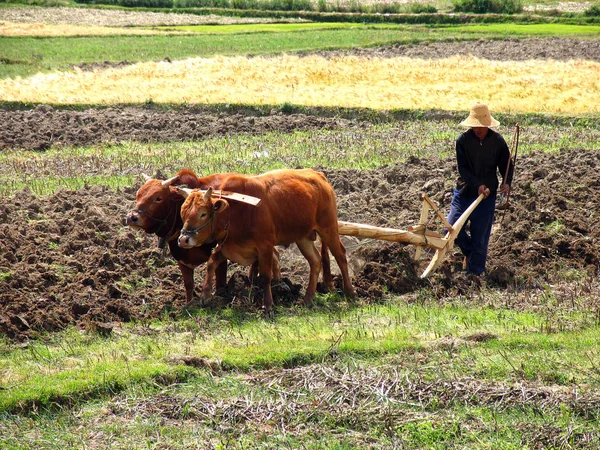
[495,29]
[537,30]
[272,27]
[416,373]
[72,367]
[371,147]
[26,56]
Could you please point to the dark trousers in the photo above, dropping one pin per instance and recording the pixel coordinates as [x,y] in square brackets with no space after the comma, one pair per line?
[474,237]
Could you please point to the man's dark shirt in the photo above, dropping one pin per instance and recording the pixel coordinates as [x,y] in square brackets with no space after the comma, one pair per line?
[478,162]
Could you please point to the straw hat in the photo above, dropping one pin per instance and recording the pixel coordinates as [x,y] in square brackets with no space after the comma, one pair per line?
[480,117]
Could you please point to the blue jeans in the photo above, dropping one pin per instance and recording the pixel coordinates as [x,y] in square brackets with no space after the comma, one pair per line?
[474,241]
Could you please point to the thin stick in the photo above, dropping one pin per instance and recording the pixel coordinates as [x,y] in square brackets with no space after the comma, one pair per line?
[515,143]
[514,159]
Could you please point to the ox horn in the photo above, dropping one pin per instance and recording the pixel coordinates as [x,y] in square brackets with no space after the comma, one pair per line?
[170,181]
[208,194]
[146,177]
[184,191]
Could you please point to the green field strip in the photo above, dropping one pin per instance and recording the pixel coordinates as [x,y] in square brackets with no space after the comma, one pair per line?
[532,30]
[273,27]
[120,165]
[73,366]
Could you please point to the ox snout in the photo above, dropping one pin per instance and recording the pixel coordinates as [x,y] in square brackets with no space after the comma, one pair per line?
[186,241]
[133,219]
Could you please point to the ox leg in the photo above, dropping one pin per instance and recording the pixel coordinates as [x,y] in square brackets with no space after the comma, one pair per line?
[276,268]
[221,275]
[265,268]
[252,272]
[310,252]
[332,239]
[326,266]
[211,266]
[187,274]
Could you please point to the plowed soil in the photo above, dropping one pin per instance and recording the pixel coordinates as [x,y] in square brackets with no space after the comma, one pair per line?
[69,258]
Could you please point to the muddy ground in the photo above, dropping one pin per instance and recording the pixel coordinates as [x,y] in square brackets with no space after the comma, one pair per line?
[69,259]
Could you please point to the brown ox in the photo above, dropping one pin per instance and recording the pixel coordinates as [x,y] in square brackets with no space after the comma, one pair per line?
[157,211]
[295,205]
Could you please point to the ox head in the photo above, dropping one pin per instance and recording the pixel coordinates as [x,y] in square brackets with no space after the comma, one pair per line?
[199,214]
[154,205]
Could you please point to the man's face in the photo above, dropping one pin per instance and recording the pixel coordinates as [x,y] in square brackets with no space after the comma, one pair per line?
[480,132]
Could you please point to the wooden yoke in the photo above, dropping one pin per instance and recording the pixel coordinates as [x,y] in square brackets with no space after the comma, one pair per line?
[254,201]
[418,235]
[218,193]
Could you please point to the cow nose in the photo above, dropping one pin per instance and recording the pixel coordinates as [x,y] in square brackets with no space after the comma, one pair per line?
[132,218]
[184,241]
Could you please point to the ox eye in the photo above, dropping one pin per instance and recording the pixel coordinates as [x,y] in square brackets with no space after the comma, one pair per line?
[158,199]
[203,215]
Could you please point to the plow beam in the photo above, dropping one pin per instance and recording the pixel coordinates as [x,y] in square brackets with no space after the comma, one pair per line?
[412,236]
[418,235]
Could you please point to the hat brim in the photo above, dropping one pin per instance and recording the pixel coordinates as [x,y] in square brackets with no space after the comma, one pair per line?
[473,122]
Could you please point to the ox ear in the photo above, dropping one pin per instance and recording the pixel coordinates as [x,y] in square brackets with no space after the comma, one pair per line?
[146,177]
[220,205]
[207,194]
[170,181]
[185,192]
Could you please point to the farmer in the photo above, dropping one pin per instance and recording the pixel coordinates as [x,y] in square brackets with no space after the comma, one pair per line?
[480,153]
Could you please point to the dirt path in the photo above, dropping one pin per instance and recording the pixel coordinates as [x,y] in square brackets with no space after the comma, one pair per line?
[509,49]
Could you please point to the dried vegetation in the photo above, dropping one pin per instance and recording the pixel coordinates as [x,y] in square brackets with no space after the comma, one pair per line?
[367,402]
[358,82]
[113,18]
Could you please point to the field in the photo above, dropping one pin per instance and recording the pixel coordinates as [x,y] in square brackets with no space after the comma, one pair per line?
[97,346]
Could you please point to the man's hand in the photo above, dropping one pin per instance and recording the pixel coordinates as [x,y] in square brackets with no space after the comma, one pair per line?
[505,189]
[483,189]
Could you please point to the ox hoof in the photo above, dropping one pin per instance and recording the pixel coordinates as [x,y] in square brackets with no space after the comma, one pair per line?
[307,301]
[197,302]
[268,314]
[351,294]
[325,288]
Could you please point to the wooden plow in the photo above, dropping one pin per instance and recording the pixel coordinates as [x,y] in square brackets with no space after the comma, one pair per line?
[417,235]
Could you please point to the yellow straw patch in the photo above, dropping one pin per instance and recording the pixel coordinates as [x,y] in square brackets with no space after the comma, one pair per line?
[379,83]
[13,29]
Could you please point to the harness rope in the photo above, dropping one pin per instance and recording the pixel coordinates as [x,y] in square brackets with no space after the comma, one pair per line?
[169,236]
[190,232]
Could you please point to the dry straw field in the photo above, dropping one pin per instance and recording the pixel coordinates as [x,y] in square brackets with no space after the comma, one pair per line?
[54,30]
[112,18]
[347,81]
[55,22]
